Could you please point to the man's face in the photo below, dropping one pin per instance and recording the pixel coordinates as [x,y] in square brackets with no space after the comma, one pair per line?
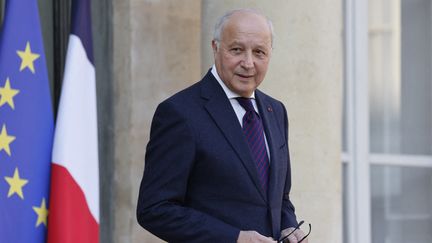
[244,51]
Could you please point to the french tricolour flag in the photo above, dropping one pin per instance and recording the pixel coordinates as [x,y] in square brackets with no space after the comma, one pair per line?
[74,196]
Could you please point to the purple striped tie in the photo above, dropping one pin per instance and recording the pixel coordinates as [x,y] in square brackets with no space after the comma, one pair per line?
[254,133]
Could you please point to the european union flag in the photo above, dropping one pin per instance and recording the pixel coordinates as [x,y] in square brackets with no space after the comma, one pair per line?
[26,126]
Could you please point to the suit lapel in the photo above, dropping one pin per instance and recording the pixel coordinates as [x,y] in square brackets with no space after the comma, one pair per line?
[220,109]
[275,142]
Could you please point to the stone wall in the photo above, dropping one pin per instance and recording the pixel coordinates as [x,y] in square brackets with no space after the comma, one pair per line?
[160,47]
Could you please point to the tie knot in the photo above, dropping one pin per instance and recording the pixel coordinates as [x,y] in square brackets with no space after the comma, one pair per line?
[246,103]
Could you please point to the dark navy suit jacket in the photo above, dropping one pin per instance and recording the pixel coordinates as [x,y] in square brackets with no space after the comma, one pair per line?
[200,182]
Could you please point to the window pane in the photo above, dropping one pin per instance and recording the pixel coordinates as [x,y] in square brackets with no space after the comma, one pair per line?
[384,75]
[401,204]
[400,79]
[345,228]
[344,119]
[416,98]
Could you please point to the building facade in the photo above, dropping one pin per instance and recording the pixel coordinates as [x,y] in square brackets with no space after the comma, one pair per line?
[354,75]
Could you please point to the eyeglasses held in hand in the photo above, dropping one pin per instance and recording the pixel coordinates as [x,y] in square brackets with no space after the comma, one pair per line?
[281,240]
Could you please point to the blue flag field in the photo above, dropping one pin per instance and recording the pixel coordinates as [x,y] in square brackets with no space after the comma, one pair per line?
[26,126]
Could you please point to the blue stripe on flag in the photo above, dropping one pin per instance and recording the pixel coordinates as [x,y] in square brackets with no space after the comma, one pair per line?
[81,25]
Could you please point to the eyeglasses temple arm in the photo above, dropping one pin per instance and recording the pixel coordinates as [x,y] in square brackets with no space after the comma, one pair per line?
[286,236]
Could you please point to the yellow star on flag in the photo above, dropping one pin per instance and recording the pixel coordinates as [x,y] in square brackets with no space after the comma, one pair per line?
[7,94]
[42,213]
[5,140]
[27,58]
[16,184]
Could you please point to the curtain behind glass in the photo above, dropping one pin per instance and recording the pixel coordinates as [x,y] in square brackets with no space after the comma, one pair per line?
[400,77]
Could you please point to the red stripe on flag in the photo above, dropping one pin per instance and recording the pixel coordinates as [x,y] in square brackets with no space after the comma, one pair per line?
[69,218]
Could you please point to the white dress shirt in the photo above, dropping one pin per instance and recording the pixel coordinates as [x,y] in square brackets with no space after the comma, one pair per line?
[238,109]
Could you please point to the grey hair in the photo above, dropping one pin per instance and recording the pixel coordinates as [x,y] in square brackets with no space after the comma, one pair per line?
[220,23]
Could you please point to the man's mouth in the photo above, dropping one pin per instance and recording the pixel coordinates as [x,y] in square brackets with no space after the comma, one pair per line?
[244,75]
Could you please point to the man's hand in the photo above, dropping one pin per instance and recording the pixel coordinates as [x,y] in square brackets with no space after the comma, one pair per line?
[253,237]
[294,237]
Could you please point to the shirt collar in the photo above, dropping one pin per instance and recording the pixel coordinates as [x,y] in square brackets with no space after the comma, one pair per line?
[229,93]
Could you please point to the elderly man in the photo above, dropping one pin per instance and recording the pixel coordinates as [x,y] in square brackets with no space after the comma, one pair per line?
[217,165]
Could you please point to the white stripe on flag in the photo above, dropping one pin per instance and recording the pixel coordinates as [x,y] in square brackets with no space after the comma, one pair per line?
[75,140]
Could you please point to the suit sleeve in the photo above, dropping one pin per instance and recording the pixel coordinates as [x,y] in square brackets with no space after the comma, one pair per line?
[288,212]
[169,159]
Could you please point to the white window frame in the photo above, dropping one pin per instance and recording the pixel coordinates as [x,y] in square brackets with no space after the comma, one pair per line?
[358,158]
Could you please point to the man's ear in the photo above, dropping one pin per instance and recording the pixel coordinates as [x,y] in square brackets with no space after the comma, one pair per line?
[214,46]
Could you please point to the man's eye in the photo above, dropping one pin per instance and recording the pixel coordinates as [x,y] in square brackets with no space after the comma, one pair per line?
[236,50]
[260,53]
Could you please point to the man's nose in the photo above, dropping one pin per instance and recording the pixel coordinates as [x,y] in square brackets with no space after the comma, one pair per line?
[247,61]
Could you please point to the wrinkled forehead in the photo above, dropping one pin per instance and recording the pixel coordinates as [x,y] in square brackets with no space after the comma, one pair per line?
[247,22]
[247,27]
